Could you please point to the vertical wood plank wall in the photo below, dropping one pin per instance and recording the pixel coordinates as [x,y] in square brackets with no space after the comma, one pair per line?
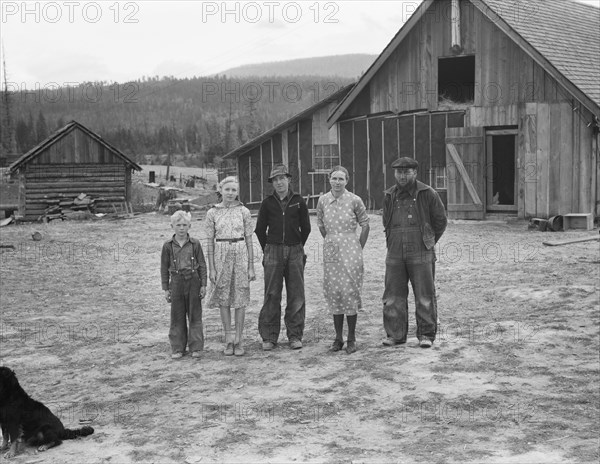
[389,137]
[555,156]
[504,73]
[244,170]
[557,151]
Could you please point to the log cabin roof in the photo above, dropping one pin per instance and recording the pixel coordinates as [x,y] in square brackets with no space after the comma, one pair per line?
[60,133]
[278,128]
[561,35]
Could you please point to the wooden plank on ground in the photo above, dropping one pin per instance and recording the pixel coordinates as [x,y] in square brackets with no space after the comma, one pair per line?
[567,242]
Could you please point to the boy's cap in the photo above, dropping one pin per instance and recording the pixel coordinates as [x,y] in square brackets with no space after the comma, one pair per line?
[405,163]
[279,170]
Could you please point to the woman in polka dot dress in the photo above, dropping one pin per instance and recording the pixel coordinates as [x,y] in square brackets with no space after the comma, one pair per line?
[339,212]
[229,228]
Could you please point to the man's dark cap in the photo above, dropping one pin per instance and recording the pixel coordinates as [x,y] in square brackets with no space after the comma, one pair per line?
[405,163]
[279,170]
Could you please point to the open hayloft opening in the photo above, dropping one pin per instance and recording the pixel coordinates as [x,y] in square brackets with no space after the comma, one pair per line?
[456,79]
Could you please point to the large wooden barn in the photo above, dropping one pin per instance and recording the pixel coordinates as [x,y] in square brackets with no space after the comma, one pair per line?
[304,143]
[498,101]
[72,161]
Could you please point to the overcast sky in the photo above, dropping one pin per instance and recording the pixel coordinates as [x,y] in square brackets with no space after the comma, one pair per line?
[74,41]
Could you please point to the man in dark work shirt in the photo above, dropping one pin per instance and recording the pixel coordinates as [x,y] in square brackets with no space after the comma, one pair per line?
[282,228]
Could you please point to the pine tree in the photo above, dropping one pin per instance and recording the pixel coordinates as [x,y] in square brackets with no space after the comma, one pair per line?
[32,133]
[252,125]
[41,127]
[22,135]
[8,143]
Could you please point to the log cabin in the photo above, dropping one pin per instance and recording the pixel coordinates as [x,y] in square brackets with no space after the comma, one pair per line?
[72,161]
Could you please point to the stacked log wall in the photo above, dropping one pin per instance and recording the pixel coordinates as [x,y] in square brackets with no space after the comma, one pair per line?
[105,183]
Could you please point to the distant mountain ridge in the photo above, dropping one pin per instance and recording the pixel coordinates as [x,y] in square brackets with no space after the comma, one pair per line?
[346,66]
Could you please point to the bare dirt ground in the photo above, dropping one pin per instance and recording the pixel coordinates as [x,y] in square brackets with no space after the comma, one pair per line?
[512,378]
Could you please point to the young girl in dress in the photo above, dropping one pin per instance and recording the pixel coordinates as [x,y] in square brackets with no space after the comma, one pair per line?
[229,229]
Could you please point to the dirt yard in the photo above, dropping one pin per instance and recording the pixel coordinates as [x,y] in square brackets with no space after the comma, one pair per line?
[512,378]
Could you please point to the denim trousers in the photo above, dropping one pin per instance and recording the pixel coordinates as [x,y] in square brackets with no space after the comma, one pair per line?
[408,259]
[186,311]
[283,262]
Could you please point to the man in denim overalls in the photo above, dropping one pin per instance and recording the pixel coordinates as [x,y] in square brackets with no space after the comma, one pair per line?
[414,219]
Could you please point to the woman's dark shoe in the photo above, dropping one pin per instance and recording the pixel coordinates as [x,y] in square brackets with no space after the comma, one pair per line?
[337,345]
[351,347]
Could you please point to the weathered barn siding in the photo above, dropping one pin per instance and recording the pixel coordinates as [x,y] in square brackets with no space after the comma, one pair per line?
[553,182]
[370,145]
[291,143]
[504,73]
[557,168]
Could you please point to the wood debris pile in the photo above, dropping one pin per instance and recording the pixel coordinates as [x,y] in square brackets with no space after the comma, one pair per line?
[62,208]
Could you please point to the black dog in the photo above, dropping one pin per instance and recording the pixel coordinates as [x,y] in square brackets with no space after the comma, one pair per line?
[24,419]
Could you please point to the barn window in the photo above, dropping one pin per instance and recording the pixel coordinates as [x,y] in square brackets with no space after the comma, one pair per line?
[439,177]
[456,79]
[326,157]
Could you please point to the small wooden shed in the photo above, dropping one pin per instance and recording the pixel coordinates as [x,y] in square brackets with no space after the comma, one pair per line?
[72,161]
[304,143]
[498,100]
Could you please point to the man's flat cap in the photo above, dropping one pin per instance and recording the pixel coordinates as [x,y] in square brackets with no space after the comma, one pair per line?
[405,163]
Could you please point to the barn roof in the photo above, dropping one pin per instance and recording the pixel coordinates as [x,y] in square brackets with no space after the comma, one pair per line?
[302,115]
[565,32]
[60,133]
[561,35]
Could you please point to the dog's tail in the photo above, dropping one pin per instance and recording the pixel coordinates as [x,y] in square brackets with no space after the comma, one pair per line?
[74,433]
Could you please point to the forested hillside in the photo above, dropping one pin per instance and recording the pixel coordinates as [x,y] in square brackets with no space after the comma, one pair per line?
[350,66]
[201,118]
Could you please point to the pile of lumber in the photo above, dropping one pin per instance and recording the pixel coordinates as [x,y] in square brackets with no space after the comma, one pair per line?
[60,207]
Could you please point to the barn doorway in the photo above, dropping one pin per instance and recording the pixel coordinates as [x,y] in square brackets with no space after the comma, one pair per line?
[501,170]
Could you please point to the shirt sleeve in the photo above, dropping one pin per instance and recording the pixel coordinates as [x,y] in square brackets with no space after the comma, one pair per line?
[261,224]
[360,211]
[247,218]
[209,224]
[438,218]
[201,265]
[321,212]
[304,221]
[165,262]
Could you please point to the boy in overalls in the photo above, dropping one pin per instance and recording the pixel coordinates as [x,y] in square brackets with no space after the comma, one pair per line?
[183,276]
